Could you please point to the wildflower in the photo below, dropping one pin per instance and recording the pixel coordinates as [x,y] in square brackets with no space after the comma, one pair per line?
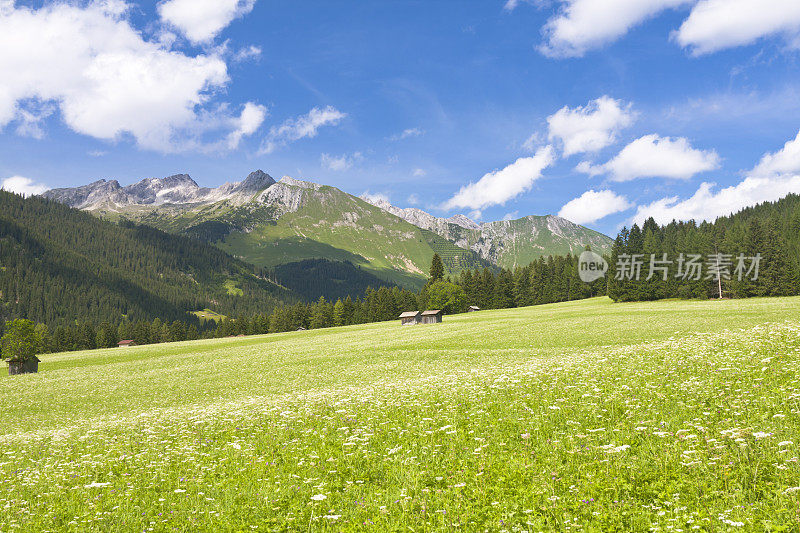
[318,497]
[96,484]
[785,443]
[761,435]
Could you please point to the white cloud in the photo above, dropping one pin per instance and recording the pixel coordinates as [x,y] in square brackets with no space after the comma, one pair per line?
[342,162]
[419,173]
[511,215]
[105,78]
[413,199]
[784,161]
[706,204]
[591,127]
[586,24]
[249,121]
[405,134]
[23,186]
[30,118]
[592,205]
[375,198]
[301,127]
[653,156]
[775,176]
[717,24]
[202,20]
[247,53]
[498,187]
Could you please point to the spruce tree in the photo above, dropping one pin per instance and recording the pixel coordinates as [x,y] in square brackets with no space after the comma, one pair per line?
[437,268]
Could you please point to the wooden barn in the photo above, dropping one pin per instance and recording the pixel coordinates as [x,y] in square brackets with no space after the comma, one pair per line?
[432,316]
[473,308]
[410,318]
[127,343]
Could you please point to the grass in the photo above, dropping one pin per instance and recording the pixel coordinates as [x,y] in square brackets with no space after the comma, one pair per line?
[589,416]
[233,290]
[208,314]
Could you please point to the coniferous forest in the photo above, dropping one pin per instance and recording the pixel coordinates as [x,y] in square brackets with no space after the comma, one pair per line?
[770,230]
[88,283]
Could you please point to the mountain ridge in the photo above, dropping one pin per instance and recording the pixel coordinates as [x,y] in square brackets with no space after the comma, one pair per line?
[268,223]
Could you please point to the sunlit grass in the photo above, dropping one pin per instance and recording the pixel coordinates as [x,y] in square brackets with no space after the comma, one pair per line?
[587,416]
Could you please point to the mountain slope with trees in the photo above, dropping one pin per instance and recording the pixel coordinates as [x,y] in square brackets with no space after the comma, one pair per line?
[60,265]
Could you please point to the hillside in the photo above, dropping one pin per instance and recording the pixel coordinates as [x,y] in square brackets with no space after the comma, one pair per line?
[270,223]
[507,243]
[606,415]
[60,265]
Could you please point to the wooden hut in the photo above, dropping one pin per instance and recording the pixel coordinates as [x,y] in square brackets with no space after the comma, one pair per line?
[28,366]
[126,343]
[432,316]
[473,308]
[410,318]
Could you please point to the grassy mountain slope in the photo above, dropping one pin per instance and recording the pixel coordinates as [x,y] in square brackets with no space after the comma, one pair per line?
[292,221]
[310,222]
[60,265]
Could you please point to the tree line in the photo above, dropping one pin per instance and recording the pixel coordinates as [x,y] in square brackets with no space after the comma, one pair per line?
[755,252]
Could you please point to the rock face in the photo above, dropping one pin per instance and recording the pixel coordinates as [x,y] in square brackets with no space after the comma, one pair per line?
[177,190]
[508,243]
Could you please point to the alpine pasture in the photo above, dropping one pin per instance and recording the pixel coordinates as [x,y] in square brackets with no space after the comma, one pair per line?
[582,416]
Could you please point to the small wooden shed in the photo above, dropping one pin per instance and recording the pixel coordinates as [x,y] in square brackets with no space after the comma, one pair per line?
[28,366]
[410,318]
[473,308]
[126,343]
[432,316]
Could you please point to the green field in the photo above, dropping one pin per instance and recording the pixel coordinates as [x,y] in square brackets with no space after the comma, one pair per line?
[583,416]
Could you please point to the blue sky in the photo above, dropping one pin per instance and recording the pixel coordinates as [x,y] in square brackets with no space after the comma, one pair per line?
[596,109]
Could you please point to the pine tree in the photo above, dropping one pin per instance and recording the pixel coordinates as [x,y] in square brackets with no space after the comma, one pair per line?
[437,268]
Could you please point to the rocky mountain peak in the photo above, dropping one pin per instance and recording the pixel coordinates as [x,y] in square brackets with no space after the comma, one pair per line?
[256,181]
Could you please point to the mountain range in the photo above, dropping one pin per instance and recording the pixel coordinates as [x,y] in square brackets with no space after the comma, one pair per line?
[271,223]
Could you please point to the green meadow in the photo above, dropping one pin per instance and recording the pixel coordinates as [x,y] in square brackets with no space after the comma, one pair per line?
[581,416]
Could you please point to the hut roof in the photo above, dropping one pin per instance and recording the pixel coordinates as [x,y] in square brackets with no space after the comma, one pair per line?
[431,312]
[409,314]
[475,307]
[126,342]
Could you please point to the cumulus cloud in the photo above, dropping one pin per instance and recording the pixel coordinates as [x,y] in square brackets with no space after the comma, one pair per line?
[202,20]
[776,175]
[706,204]
[592,205]
[653,156]
[301,127]
[419,173]
[247,123]
[106,80]
[784,161]
[341,162]
[591,127]
[717,24]
[586,24]
[496,188]
[23,186]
